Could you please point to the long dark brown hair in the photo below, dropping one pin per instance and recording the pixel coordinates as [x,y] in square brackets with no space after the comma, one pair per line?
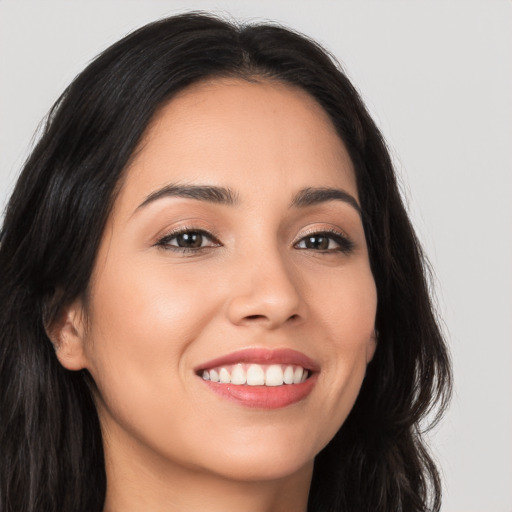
[51,455]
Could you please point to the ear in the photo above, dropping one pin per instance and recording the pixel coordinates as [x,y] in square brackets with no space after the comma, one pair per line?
[67,335]
[371,346]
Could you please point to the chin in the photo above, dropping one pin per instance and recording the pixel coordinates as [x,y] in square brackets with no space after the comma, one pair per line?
[263,456]
[257,468]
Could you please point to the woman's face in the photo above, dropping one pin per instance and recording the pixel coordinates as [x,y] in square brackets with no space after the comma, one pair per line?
[234,252]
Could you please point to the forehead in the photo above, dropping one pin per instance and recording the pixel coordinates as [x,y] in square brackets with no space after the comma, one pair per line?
[245,135]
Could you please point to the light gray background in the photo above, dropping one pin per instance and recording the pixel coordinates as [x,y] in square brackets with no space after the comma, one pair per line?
[437,76]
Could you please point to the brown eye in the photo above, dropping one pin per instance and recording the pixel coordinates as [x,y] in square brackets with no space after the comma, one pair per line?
[316,242]
[190,240]
[326,242]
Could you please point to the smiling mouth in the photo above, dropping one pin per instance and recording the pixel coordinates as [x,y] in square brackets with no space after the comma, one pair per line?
[270,375]
[261,378]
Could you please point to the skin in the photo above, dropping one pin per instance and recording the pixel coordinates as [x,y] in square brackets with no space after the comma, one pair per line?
[155,313]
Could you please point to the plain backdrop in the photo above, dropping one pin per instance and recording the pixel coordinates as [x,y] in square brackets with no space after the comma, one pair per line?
[437,76]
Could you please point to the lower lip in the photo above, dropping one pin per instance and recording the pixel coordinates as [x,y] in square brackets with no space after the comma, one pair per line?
[264,397]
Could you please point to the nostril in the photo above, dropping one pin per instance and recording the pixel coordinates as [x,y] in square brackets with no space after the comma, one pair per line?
[254,317]
[261,317]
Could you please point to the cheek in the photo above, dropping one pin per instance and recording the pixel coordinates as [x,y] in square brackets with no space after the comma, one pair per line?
[144,297]
[142,323]
[346,303]
[347,317]
[143,319]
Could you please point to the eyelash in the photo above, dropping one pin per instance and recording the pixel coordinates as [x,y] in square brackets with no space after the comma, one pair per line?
[345,245]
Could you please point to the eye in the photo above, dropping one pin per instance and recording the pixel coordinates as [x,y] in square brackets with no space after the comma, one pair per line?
[326,241]
[188,240]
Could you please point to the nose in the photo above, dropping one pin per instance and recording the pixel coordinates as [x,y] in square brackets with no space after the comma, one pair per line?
[266,293]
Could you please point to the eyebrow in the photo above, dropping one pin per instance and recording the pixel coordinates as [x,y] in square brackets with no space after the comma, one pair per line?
[211,194]
[313,196]
[310,196]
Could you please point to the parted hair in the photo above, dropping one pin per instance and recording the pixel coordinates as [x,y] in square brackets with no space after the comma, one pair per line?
[51,454]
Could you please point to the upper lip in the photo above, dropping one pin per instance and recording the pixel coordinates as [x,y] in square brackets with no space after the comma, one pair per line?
[262,356]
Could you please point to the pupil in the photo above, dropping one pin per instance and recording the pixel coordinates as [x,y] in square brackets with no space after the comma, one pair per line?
[190,240]
[317,242]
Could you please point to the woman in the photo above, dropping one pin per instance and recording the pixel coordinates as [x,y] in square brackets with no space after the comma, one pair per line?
[211,294]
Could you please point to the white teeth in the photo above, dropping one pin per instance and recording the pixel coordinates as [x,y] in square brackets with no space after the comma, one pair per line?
[238,375]
[288,375]
[224,376]
[255,375]
[274,375]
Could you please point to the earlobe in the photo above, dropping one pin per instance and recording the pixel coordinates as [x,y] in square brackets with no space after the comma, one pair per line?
[67,336]
[371,346]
